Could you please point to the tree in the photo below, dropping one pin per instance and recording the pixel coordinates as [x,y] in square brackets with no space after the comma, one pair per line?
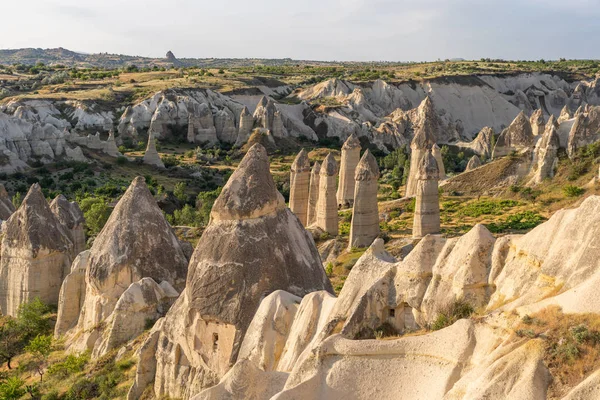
[31,318]
[15,332]
[96,212]
[11,340]
[40,348]
[179,191]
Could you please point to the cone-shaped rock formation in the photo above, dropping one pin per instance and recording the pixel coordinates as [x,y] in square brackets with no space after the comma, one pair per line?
[473,163]
[36,254]
[518,136]
[136,243]
[70,215]
[252,246]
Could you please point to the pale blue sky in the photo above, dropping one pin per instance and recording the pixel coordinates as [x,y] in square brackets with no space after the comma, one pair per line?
[401,30]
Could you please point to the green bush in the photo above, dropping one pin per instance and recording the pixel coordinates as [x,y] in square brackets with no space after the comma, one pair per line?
[329,269]
[96,213]
[71,365]
[573,191]
[179,191]
[12,389]
[520,221]
[170,161]
[450,314]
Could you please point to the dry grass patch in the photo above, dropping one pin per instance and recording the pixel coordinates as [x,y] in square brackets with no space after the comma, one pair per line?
[572,345]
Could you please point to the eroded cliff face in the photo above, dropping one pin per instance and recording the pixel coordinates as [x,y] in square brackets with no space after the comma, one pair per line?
[386,115]
[295,348]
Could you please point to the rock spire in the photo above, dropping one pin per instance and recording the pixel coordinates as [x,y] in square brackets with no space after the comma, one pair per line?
[348,163]
[427,207]
[262,247]
[151,156]
[299,186]
[365,214]
[327,211]
[313,194]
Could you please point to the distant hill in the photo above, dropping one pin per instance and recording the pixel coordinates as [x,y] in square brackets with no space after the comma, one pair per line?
[60,56]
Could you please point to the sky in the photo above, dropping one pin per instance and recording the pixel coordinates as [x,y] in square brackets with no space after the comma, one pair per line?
[335,30]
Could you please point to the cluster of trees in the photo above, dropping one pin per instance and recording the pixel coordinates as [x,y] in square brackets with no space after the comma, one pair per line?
[29,332]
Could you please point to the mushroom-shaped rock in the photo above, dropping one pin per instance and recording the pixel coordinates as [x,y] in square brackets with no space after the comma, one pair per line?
[252,247]
[427,206]
[151,156]
[365,214]
[313,194]
[6,205]
[70,215]
[348,163]
[35,256]
[327,211]
[473,163]
[422,142]
[299,186]
[136,242]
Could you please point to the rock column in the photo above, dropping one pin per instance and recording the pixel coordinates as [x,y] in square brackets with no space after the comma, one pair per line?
[427,206]
[299,186]
[420,146]
[151,156]
[327,215]
[365,214]
[313,194]
[245,128]
[350,159]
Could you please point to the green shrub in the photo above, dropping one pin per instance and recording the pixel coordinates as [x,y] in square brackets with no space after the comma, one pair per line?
[329,269]
[170,161]
[450,314]
[573,191]
[12,389]
[96,213]
[520,221]
[179,191]
[71,365]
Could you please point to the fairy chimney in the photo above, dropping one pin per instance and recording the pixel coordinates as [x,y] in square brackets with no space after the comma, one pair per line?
[350,159]
[365,215]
